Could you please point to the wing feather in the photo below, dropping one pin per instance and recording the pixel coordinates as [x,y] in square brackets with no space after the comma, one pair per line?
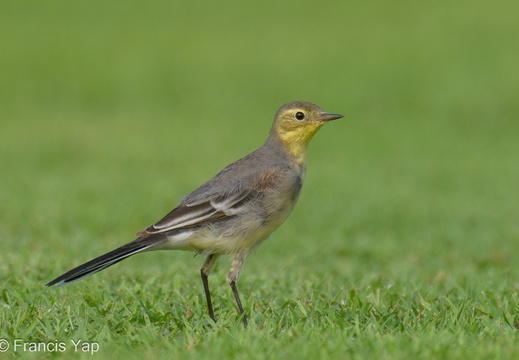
[212,209]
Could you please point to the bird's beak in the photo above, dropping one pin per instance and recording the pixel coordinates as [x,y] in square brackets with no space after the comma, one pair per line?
[327,117]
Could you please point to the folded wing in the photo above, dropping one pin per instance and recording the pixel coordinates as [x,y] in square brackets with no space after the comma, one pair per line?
[197,213]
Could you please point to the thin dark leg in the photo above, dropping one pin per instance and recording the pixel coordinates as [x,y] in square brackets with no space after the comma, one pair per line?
[232,278]
[207,295]
[204,272]
[238,302]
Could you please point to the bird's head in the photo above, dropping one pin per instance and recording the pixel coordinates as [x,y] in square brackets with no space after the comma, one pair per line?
[297,122]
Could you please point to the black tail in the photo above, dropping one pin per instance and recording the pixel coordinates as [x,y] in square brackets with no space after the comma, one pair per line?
[108,259]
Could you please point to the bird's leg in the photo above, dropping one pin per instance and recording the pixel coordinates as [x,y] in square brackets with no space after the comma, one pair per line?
[204,272]
[232,278]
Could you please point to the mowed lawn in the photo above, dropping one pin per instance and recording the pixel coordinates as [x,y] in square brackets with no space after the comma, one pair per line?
[403,244]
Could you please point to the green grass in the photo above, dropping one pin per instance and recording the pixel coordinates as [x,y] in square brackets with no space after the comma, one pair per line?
[404,241]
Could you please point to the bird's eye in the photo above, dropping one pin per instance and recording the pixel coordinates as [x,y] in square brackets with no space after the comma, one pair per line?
[300,115]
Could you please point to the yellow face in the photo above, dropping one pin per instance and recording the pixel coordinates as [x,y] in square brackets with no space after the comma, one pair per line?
[297,122]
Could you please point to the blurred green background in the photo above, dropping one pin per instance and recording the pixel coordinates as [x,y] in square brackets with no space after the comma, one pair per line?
[112,111]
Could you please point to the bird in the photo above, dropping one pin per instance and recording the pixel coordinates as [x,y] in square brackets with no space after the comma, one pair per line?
[236,210]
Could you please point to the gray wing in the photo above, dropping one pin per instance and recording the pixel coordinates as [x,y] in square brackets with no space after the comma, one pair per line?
[212,209]
[211,202]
